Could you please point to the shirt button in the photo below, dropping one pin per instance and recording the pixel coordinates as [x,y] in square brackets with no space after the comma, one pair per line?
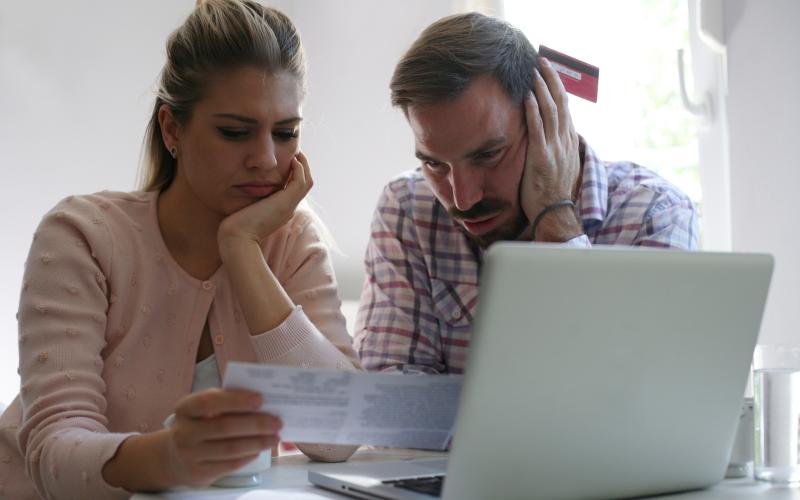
[207,285]
[457,314]
[219,339]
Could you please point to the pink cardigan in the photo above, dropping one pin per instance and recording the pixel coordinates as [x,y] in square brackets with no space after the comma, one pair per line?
[109,326]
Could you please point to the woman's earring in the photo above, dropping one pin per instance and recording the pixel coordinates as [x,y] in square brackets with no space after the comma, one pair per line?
[174,152]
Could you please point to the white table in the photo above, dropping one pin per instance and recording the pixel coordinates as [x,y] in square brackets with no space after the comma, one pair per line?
[288,478]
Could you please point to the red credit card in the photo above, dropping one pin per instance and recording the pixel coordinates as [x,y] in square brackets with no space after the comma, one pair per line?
[578,77]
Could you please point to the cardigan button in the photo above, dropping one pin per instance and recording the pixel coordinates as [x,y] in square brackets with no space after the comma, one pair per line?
[208,286]
[219,339]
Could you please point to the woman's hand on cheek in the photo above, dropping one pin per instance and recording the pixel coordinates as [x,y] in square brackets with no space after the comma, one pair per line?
[257,221]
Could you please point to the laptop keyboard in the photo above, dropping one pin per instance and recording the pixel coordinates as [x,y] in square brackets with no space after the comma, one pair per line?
[428,485]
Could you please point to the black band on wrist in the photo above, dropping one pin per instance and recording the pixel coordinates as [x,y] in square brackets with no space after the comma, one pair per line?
[546,210]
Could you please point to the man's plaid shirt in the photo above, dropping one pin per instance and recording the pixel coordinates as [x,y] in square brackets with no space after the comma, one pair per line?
[421,288]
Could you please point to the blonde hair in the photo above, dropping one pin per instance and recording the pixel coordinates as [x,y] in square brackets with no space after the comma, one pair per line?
[218,35]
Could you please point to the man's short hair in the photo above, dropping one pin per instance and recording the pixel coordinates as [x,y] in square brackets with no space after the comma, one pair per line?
[455,50]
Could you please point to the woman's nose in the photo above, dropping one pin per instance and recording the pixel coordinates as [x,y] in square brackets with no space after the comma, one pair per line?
[263,155]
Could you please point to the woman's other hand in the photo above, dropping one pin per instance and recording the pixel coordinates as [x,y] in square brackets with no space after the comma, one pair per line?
[214,433]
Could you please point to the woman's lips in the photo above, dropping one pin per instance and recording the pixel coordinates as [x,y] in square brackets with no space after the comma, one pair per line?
[258,190]
[480,226]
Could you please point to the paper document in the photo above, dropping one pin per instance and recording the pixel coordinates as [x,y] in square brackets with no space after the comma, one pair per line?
[339,407]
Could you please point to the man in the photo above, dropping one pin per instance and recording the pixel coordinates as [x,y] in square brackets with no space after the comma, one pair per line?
[501,160]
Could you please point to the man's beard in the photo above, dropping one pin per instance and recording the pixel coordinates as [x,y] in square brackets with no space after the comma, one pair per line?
[510,231]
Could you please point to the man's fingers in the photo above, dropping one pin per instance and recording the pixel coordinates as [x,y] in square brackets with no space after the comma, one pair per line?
[559,96]
[213,402]
[547,108]
[533,120]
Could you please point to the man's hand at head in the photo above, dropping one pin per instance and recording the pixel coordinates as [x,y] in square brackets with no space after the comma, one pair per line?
[552,162]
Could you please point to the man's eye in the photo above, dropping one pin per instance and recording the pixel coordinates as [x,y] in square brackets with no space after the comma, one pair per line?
[232,133]
[286,135]
[435,166]
[487,155]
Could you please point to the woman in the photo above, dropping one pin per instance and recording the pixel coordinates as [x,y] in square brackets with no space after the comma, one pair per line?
[133,303]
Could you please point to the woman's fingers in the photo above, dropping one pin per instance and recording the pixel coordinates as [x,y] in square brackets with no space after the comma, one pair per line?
[301,181]
[213,402]
[232,426]
[306,169]
[225,450]
[217,431]
[201,474]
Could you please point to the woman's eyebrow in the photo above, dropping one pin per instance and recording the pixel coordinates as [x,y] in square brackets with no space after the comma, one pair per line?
[253,121]
[289,121]
[244,119]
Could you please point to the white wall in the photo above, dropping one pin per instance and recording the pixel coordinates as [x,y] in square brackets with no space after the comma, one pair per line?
[354,139]
[74,97]
[75,94]
[764,129]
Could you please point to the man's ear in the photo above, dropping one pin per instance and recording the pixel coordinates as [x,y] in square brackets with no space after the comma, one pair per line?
[169,126]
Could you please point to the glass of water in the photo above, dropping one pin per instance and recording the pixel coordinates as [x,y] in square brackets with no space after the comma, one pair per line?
[776,408]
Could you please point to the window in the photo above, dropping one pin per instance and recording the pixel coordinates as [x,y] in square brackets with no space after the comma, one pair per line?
[639,115]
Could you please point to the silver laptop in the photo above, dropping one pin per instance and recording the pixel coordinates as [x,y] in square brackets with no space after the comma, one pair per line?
[600,373]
